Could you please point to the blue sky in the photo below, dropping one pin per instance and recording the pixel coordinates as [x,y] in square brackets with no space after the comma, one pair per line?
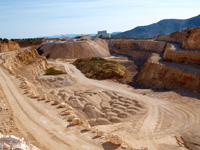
[34,18]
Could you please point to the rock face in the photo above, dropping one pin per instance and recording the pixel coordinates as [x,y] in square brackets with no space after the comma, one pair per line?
[10,46]
[27,62]
[186,57]
[189,38]
[192,40]
[176,37]
[137,49]
[75,48]
[147,45]
[160,76]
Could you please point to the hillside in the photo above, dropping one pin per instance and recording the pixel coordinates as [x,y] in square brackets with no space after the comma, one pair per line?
[166,26]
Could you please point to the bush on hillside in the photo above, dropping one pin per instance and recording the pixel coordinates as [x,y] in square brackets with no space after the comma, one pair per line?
[53,71]
[99,68]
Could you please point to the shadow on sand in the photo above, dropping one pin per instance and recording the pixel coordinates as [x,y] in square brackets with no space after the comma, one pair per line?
[109,146]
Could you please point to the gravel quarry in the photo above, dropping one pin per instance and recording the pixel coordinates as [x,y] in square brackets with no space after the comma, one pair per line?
[55,112]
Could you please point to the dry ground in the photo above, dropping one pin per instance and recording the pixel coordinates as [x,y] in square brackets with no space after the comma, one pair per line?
[159,119]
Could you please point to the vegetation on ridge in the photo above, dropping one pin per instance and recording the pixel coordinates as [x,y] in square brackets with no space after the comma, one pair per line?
[53,71]
[99,68]
[28,42]
[4,40]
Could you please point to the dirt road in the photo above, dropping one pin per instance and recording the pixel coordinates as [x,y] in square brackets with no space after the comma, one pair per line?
[39,122]
[164,119]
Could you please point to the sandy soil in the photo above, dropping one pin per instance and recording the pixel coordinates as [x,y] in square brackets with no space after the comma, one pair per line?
[158,123]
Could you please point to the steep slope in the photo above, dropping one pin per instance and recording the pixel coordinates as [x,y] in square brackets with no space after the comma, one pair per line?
[10,46]
[165,26]
[24,62]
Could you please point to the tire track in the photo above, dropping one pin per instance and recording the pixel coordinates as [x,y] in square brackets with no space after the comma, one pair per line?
[29,119]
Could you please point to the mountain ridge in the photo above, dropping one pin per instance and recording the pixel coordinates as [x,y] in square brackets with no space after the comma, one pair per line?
[163,27]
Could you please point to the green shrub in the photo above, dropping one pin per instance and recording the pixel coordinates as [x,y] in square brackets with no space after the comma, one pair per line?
[53,71]
[5,40]
[99,68]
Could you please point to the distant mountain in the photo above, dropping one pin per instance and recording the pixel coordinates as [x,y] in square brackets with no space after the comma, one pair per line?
[166,26]
[114,33]
[64,36]
[73,35]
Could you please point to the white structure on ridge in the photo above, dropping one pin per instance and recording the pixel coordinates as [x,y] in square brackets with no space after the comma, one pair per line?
[103,34]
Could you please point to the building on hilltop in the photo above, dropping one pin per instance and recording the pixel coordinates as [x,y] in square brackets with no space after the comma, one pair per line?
[103,34]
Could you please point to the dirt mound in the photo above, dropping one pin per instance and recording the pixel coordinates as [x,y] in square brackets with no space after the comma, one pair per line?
[74,48]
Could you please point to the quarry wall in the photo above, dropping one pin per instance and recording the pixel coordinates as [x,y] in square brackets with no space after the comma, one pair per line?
[140,55]
[159,76]
[176,37]
[129,44]
[185,57]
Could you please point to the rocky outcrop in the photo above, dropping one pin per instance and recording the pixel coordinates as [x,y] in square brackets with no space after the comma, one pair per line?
[176,37]
[189,38]
[74,48]
[192,40]
[25,62]
[10,46]
[160,76]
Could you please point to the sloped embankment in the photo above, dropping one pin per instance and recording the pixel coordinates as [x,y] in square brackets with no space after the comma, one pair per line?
[74,48]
